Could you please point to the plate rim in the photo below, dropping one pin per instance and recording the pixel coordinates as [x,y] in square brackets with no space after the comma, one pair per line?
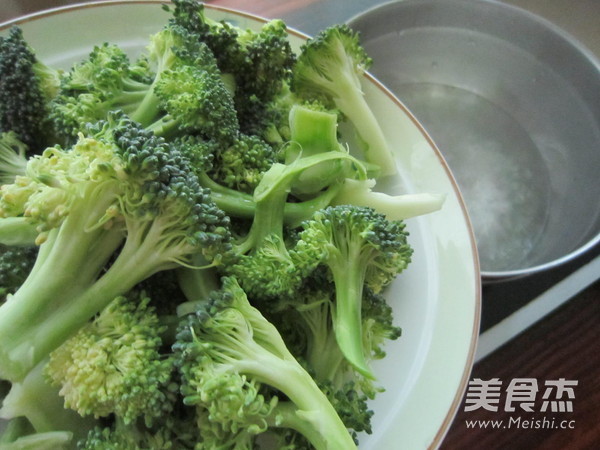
[477,278]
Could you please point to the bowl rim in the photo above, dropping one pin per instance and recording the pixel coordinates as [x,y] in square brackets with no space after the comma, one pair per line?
[477,274]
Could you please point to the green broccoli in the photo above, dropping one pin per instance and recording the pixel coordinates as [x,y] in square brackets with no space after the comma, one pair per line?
[105,81]
[260,62]
[17,231]
[241,165]
[122,191]
[174,88]
[305,320]
[26,88]
[359,247]
[262,262]
[192,256]
[114,364]
[360,192]
[329,68]
[173,433]
[237,370]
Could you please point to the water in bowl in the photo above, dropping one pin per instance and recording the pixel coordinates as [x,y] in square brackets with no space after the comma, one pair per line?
[498,168]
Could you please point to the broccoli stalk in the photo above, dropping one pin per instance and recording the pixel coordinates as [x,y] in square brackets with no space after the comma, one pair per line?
[242,205]
[37,401]
[68,262]
[264,265]
[20,435]
[15,265]
[229,346]
[330,67]
[17,231]
[313,130]
[359,247]
[394,207]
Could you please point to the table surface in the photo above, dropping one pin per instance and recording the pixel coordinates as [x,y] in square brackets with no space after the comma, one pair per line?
[563,344]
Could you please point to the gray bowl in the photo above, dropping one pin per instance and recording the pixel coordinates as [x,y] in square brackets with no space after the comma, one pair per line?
[513,103]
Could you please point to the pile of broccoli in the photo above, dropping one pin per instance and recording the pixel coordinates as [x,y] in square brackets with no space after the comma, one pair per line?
[191,257]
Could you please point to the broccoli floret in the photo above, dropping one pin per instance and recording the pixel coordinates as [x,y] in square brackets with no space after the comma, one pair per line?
[262,74]
[359,247]
[18,232]
[114,364]
[270,119]
[241,165]
[122,189]
[191,91]
[13,157]
[236,367]
[329,68]
[105,81]
[173,433]
[26,87]
[221,37]
[175,88]
[260,62]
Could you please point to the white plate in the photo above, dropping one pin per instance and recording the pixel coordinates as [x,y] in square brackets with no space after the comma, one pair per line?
[436,301]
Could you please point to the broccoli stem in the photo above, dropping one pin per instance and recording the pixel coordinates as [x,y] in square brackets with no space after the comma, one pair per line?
[147,111]
[270,196]
[310,413]
[15,428]
[196,282]
[268,221]
[17,231]
[348,271]
[395,207]
[143,254]
[374,145]
[315,131]
[240,204]
[39,402]
[165,126]
[323,353]
[67,264]
[129,101]
[149,107]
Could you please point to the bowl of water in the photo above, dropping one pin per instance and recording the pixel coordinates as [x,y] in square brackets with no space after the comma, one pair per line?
[513,103]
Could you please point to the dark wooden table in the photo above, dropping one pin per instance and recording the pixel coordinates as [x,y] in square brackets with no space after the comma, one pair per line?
[566,344]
